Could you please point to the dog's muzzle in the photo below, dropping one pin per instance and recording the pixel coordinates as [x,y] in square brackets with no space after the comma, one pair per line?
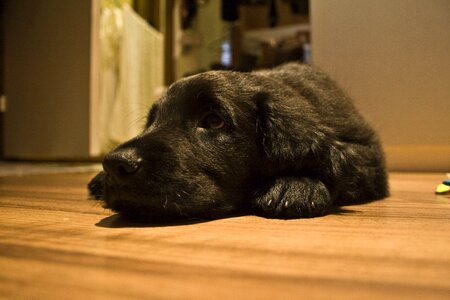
[124,169]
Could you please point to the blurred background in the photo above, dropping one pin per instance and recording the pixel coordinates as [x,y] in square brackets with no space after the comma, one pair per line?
[77,77]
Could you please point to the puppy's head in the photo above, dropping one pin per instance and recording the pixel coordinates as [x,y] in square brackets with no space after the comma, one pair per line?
[208,144]
[197,157]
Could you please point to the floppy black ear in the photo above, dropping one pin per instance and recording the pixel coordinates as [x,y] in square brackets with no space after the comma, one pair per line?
[290,132]
[96,186]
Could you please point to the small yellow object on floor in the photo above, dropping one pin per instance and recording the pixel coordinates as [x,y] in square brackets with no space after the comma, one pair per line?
[442,189]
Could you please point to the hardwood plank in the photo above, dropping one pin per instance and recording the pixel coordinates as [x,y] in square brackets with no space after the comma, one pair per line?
[55,243]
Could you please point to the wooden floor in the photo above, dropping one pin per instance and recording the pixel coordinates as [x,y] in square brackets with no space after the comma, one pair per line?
[55,244]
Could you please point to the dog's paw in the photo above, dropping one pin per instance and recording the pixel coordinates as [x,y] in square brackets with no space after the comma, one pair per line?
[290,197]
[96,186]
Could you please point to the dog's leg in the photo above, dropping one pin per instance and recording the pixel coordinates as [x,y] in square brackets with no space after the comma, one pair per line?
[359,173]
[292,197]
[96,186]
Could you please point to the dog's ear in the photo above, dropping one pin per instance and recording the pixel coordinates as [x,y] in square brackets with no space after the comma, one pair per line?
[96,186]
[290,132]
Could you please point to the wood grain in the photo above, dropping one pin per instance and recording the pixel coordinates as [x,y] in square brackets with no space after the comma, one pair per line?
[55,244]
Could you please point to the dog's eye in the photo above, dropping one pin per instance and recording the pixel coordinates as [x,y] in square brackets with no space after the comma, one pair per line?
[212,120]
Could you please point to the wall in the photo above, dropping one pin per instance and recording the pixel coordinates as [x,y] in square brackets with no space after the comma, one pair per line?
[47,78]
[393,58]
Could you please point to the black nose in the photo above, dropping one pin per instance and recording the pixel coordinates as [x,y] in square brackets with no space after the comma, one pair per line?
[122,163]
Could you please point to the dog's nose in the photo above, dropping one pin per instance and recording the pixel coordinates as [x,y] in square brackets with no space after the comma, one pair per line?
[122,163]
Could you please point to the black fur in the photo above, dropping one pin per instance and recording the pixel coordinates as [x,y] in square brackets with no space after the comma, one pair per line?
[291,145]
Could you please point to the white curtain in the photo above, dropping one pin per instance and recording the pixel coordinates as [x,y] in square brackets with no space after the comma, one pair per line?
[132,74]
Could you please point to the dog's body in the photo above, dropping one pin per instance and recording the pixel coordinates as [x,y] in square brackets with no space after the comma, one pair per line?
[283,143]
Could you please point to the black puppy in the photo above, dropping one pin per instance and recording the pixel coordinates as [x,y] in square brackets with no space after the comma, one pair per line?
[282,143]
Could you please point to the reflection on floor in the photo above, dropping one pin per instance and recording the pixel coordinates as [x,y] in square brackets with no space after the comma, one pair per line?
[13,168]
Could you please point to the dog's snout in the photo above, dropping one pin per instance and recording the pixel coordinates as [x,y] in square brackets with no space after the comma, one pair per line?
[122,163]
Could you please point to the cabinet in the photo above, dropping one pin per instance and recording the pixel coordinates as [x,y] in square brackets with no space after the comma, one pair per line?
[49,82]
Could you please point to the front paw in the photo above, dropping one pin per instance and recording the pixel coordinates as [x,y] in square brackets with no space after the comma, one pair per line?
[291,197]
[96,186]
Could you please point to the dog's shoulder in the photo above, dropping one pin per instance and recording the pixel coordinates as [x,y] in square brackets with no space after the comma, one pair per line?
[313,86]
[295,71]
[311,82]
[330,102]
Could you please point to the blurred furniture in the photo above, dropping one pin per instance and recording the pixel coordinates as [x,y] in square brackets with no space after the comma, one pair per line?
[49,63]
